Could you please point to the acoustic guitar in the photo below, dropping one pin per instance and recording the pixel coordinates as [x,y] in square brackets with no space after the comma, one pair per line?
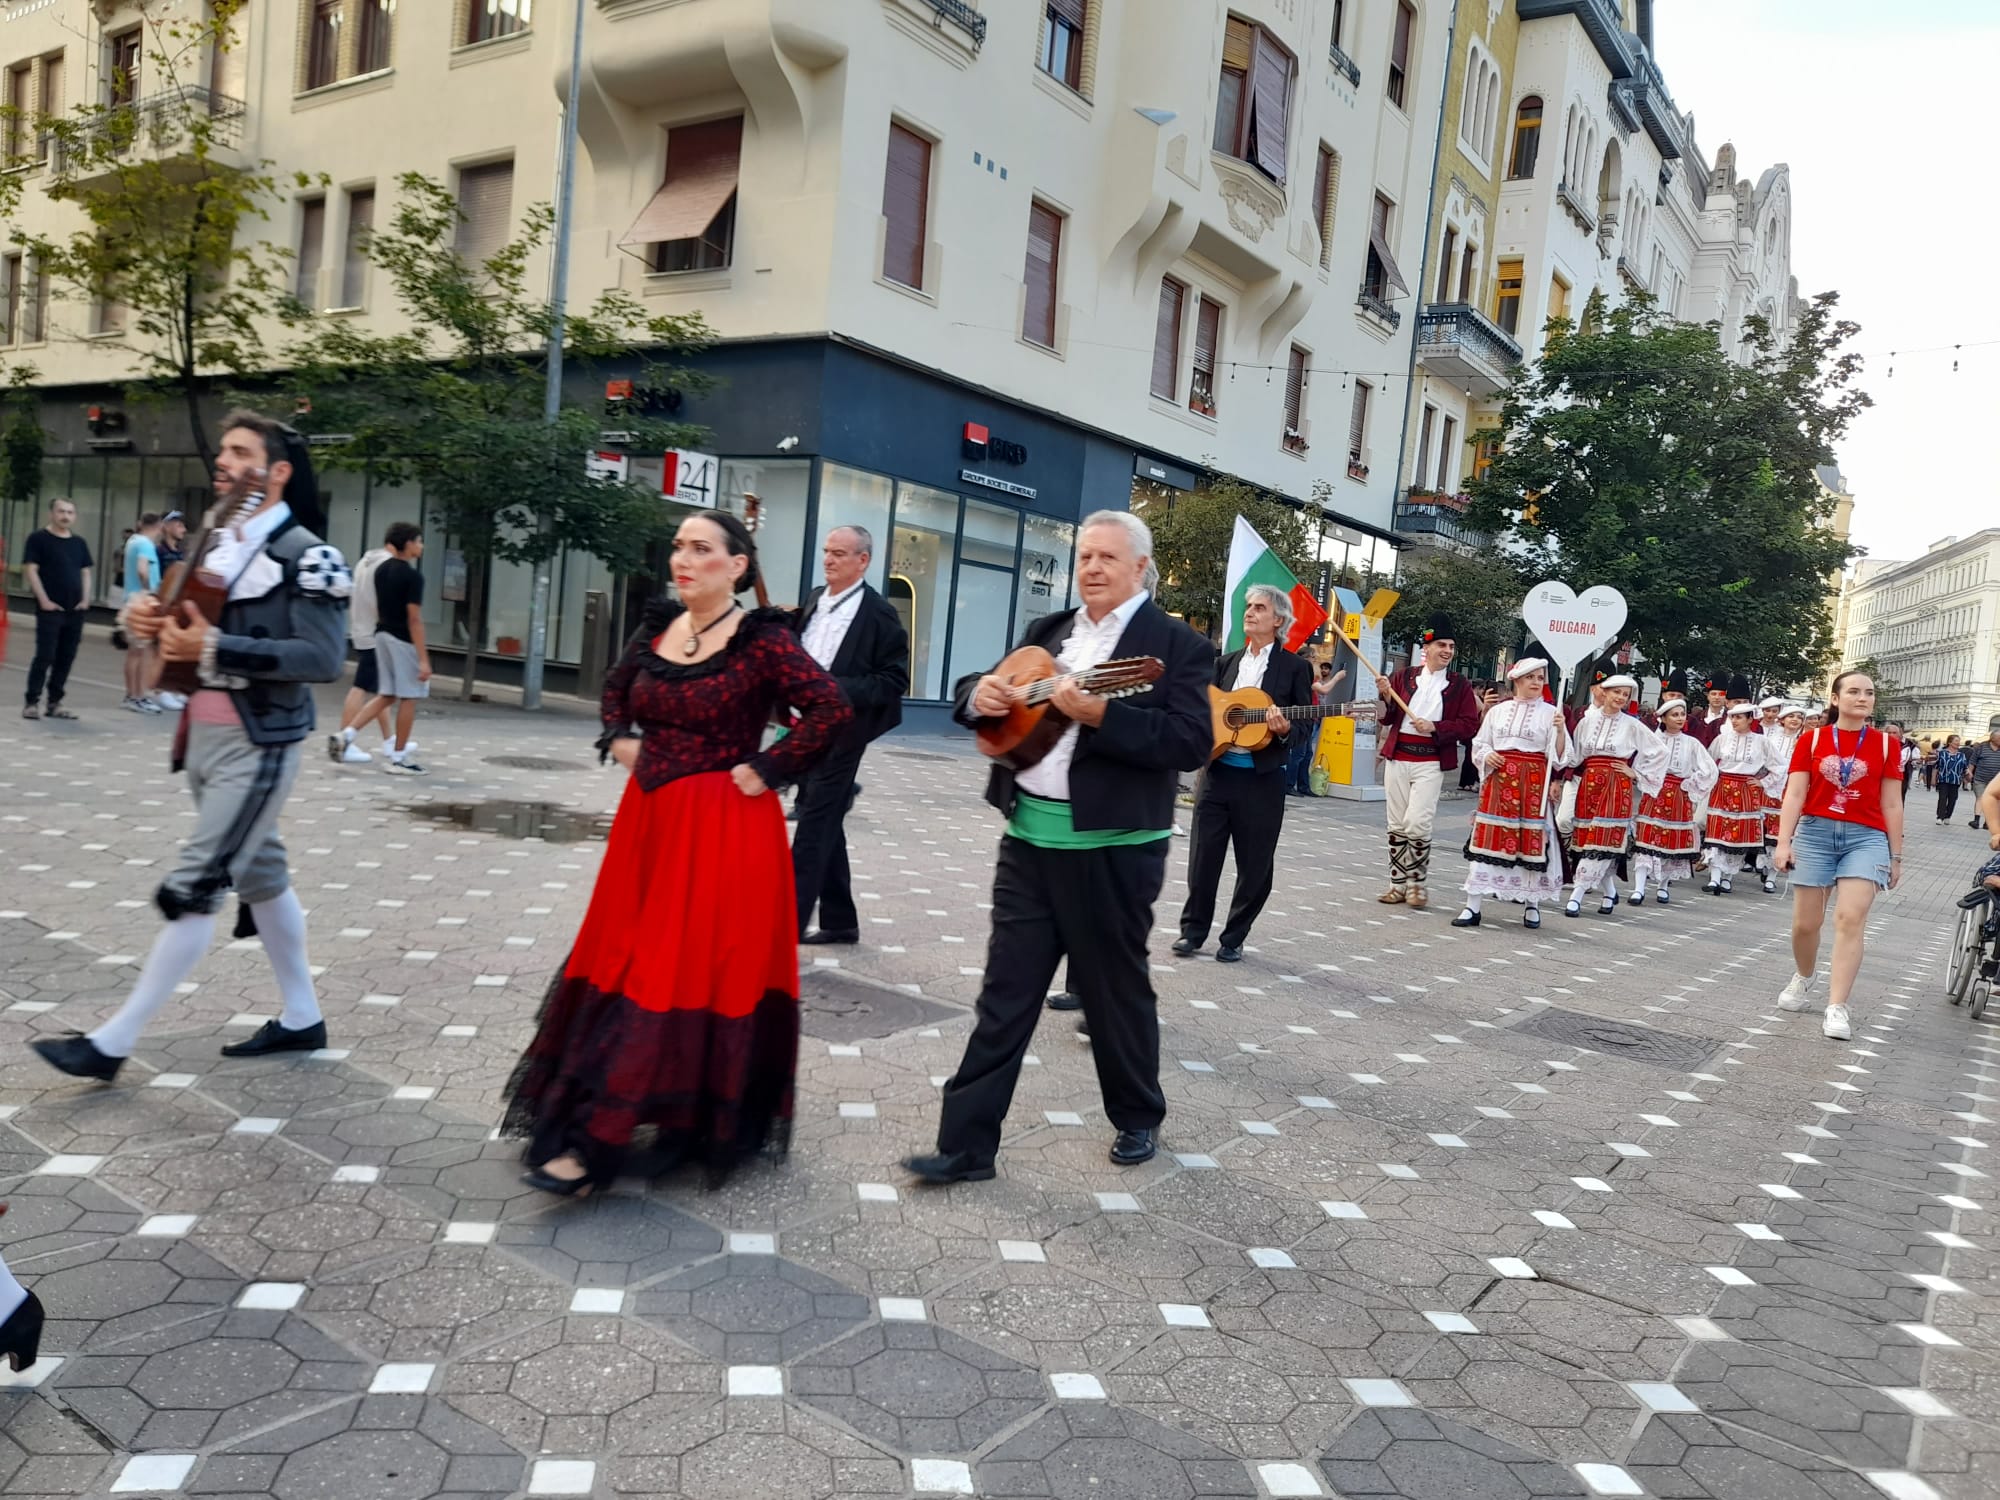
[1033,724]
[187,583]
[1238,722]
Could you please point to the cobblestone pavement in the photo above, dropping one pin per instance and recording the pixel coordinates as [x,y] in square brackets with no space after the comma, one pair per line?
[1465,1215]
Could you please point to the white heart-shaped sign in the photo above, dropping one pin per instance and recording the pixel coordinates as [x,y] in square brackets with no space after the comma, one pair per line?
[1573,627]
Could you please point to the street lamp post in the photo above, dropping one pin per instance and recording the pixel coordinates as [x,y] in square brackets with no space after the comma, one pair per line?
[538,600]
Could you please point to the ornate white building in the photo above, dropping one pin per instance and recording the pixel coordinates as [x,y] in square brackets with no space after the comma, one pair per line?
[1932,628]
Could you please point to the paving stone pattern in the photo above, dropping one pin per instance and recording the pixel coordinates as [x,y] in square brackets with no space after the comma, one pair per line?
[1440,1214]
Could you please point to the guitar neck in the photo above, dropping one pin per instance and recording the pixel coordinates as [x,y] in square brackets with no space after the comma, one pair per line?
[1306,714]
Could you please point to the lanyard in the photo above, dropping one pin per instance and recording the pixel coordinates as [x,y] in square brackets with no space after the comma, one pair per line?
[1848,763]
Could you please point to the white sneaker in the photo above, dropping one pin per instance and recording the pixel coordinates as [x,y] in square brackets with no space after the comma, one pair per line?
[171,701]
[1797,995]
[148,706]
[353,755]
[1835,1025]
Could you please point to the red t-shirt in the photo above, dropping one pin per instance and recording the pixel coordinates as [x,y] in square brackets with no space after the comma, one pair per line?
[1870,757]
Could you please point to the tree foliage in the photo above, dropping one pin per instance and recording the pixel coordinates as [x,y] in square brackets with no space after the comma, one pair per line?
[23,443]
[1191,544]
[163,214]
[1636,453]
[454,402]
[1482,595]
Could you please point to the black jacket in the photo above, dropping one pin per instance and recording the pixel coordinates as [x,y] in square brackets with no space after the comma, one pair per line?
[872,665]
[1288,682]
[1126,771]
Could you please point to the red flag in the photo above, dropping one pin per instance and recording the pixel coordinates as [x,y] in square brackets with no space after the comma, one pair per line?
[1307,616]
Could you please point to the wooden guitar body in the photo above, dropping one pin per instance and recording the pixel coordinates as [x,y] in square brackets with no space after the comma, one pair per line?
[1030,730]
[1237,719]
[208,593]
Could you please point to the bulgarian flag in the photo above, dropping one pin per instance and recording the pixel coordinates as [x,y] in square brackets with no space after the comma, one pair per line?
[1252,562]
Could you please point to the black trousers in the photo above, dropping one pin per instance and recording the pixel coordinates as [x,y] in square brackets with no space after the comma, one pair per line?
[1947,800]
[58,632]
[819,844]
[1096,906]
[1247,808]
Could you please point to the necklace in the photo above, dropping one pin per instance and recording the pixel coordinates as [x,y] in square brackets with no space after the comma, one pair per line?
[694,640]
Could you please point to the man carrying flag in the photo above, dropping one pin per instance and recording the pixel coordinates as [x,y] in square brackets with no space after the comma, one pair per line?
[1418,747]
[1266,613]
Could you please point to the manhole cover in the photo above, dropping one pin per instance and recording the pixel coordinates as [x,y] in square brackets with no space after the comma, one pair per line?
[923,755]
[534,763]
[1662,1049]
[837,1007]
[517,820]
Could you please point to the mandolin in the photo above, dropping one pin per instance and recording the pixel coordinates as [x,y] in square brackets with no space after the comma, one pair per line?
[1238,718]
[1033,724]
[188,583]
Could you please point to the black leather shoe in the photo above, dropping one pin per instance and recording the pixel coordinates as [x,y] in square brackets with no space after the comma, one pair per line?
[819,936]
[1466,919]
[1133,1147]
[1083,1029]
[1228,955]
[1185,946]
[77,1055]
[948,1166]
[1064,1000]
[273,1036]
[21,1335]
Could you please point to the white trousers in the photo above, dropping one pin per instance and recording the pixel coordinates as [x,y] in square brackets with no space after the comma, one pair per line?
[1413,787]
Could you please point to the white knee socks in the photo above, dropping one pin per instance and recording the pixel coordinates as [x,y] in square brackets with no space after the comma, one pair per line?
[12,1293]
[281,923]
[176,951]
[1472,904]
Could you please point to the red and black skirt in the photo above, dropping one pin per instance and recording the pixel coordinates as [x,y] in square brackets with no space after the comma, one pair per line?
[1666,823]
[1511,827]
[677,1010]
[1606,800]
[1772,806]
[1735,813]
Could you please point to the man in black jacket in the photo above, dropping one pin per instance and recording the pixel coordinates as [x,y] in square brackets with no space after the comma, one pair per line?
[857,636]
[1243,794]
[1084,856]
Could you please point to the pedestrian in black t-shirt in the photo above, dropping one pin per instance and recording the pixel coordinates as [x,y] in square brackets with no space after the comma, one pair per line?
[402,656]
[57,564]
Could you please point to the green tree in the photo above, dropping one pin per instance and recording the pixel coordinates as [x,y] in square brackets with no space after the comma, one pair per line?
[1191,544]
[22,440]
[163,211]
[1637,453]
[454,402]
[1481,593]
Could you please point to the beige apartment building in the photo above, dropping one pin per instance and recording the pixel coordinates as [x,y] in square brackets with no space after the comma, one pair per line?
[976,269]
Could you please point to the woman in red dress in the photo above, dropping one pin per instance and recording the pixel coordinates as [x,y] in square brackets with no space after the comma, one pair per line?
[678,1007]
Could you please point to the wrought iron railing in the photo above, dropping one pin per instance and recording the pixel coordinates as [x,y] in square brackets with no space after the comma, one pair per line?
[963,16]
[1372,301]
[1344,65]
[1465,329]
[160,121]
[1439,516]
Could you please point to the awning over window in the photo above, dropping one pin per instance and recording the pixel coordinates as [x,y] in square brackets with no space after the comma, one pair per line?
[702,162]
[1379,243]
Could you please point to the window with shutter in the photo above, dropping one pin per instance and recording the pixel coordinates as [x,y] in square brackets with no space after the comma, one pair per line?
[1357,431]
[51,101]
[1253,97]
[1382,275]
[1444,262]
[488,19]
[1038,315]
[1207,341]
[1063,25]
[323,43]
[1399,54]
[1527,137]
[1425,429]
[1167,339]
[1238,46]
[1295,401]
[485,206]
[378,21]
[37,311]
[354,251]
[1465,273]
[1269,107]
[906,196]
[121,74]
[312,251]
[10,289]
[690,223]
[20,109]
[1326,188]
[1507,297]
[1447,452]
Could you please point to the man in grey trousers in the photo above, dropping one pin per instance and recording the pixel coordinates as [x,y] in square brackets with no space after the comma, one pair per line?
[283,628]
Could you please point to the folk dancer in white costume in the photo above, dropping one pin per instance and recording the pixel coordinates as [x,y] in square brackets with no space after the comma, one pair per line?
[1665,835]
[1621,761]
[1734,836]
[1513,850]
[1781,726]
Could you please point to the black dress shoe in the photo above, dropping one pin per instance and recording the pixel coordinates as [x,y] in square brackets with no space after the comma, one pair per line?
[1466,919]
[562,1187]
[1083,1029]
[1064,1000]
[819,936]
[77,1055]
[948,1166]
[1133,1147]
[1185,946]
[274,1036]
[1228,955]
[21,1335]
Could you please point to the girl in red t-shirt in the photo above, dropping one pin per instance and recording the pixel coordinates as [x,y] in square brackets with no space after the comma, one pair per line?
[1841,826]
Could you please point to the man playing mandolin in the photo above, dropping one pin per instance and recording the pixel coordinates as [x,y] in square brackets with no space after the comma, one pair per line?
[1243,795]
[1089,827]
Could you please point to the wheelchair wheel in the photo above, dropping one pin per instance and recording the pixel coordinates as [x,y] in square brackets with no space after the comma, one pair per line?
[1982,991]
[1965,946]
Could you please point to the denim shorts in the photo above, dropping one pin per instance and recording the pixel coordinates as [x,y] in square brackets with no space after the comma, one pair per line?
[1826,849]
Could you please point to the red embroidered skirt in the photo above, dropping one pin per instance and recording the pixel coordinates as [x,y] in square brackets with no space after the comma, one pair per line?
[678,1007]
[1771,807]
[1735,813]
[1666,823]
[1606,800]
[1511,826]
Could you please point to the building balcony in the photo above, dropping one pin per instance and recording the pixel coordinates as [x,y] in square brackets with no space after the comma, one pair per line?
[1461,344]
[961,15]
[1643,99]
[1427,516]
[186,125]
[1344,65]
[1374,302]
[1571,202]
[1631,274]
[1600,20]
